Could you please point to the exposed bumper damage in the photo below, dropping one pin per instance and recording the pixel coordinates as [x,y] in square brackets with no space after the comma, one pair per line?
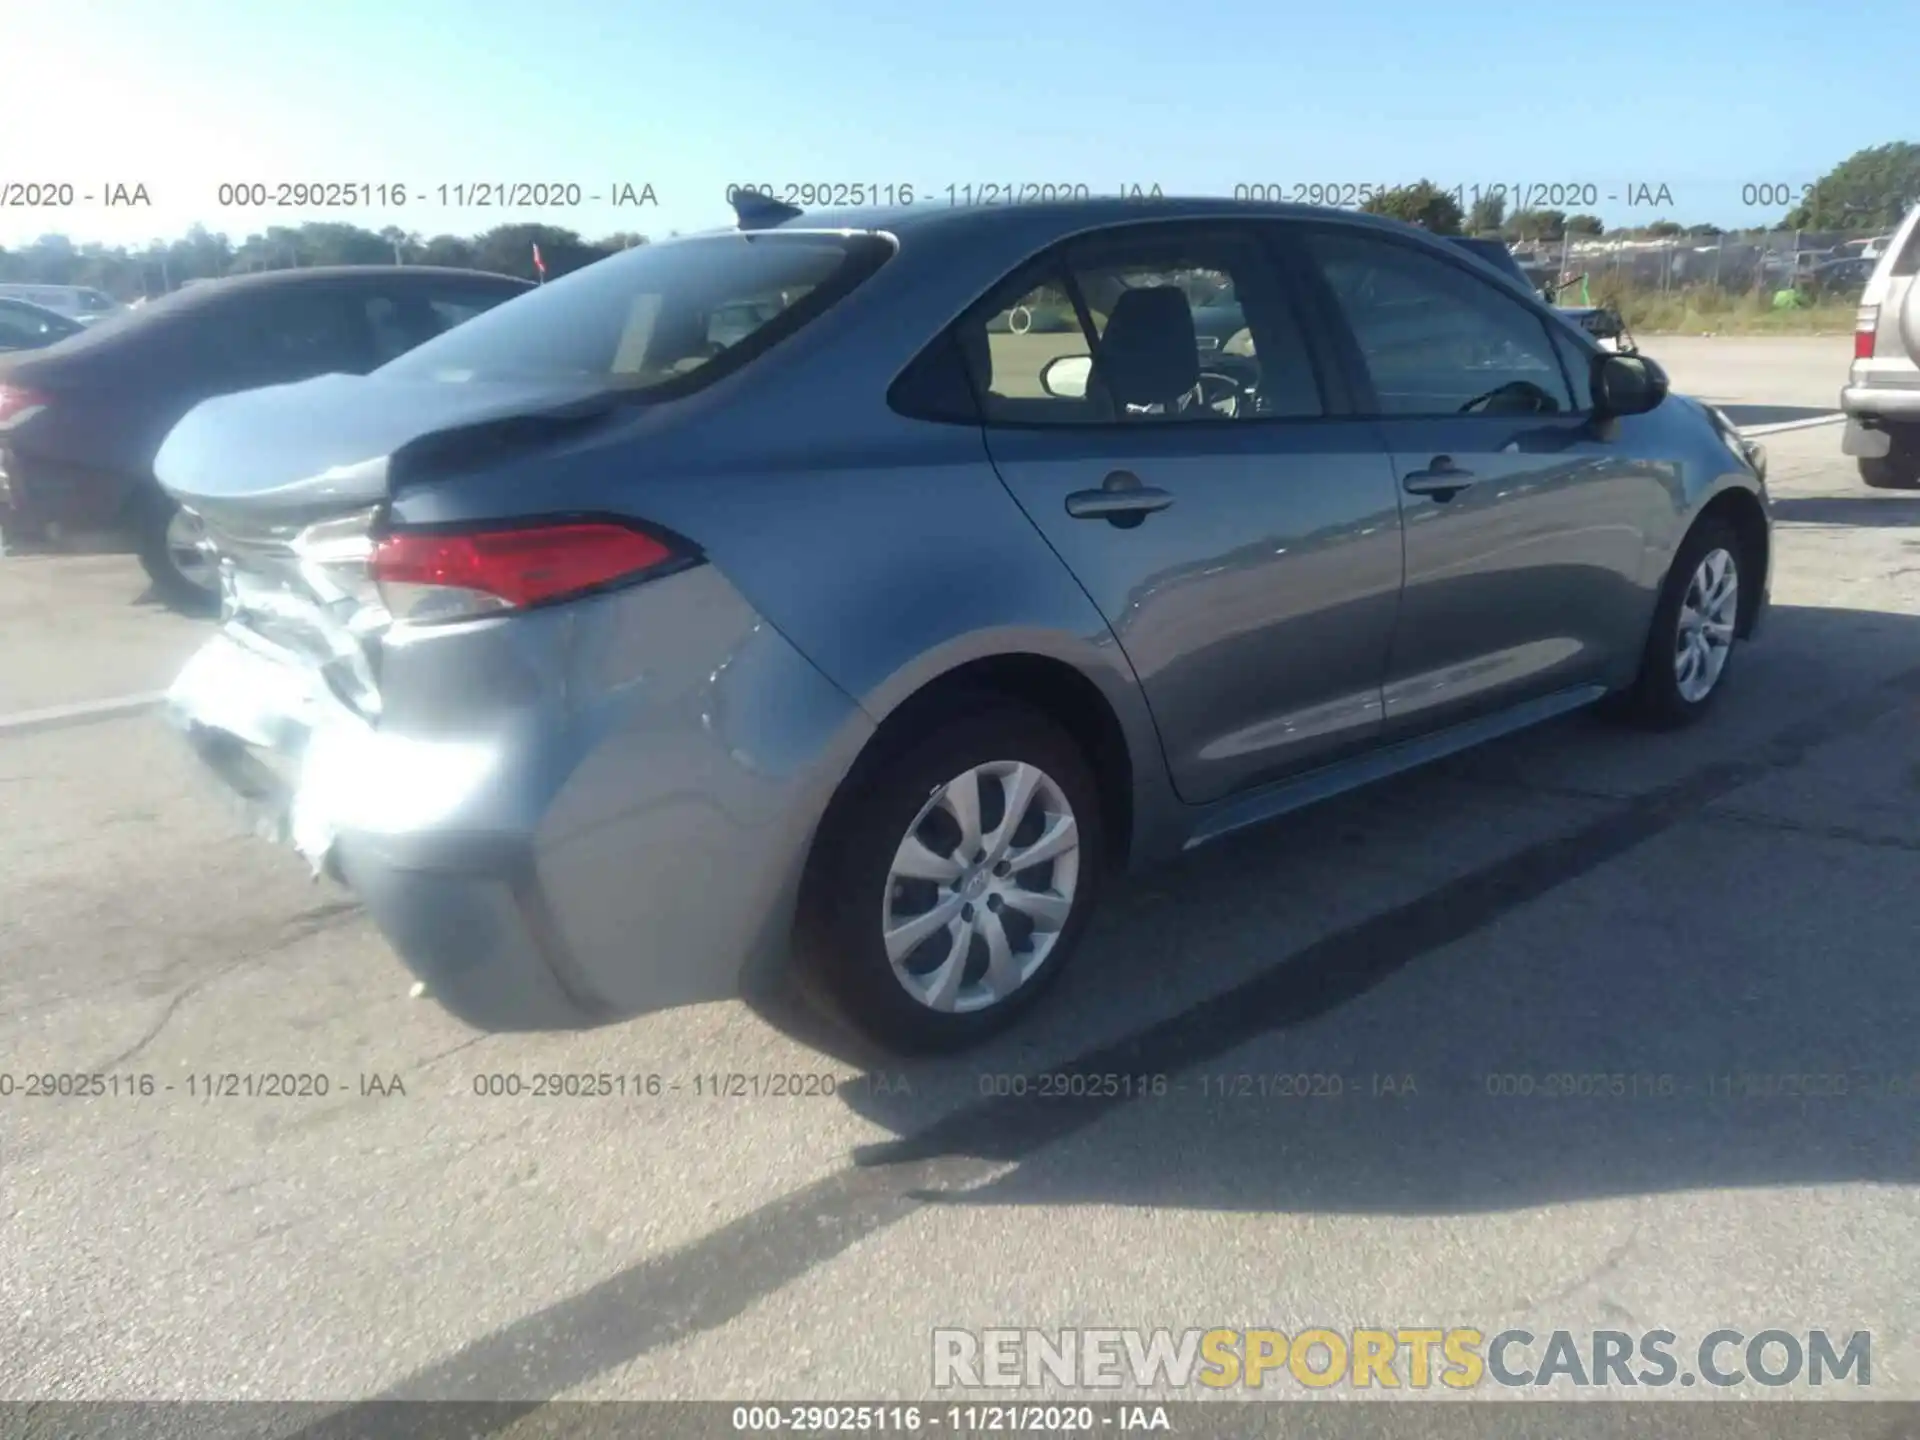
[552,828]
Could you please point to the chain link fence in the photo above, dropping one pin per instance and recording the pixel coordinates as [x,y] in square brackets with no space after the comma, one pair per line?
[1818,265]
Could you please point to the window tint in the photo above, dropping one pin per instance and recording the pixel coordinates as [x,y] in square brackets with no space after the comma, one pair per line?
[1578,360]
[1435,338]
[17,330]
[24,329]
[300,331]
[1188,325]
[654,316]
[1907,262]
[398,322]
[457,307]
[935,386]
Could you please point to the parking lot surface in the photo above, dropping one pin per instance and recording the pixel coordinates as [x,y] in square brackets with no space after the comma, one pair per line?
[1737,900]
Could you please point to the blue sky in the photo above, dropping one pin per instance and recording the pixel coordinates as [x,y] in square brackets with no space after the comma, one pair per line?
[1702,97]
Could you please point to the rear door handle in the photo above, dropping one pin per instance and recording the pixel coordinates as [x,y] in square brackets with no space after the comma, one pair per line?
[1442,479]
[1122,500]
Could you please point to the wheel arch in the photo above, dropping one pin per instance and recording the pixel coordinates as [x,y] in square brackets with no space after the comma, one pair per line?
[1124,762]
[1742,510]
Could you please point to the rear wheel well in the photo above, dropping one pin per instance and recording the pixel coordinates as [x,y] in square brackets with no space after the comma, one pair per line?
[1741,510]
[1052,687]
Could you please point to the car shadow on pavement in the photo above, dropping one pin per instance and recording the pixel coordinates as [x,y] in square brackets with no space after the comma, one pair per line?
[1581,962]
[1575,964]
[1880,508]
[1746,415]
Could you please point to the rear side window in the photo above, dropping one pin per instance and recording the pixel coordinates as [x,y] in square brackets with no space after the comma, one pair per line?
[298,332]
[667,317]
[456,308]
[1907,262]
[399,322]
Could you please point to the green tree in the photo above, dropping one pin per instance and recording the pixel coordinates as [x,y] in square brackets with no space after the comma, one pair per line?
[405,247]
[1537,225]
[1665,229]
[508,250]
[1869,190]
[455,251]
[1488,214]
[1585,225]
[1422,203]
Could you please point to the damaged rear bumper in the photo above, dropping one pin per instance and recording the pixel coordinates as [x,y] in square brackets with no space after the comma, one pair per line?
[553,828]
[300,766]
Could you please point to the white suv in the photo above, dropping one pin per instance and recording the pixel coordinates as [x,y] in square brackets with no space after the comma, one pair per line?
[1882,394]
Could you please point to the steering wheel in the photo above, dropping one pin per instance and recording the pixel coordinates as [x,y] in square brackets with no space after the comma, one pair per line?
[1228,396]
[1535,400]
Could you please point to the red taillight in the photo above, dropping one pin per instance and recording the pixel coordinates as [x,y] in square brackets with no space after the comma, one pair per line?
[1866,324]
[453,576]
[17,403]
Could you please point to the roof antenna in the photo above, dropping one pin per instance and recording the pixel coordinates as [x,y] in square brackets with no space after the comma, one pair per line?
[757,210]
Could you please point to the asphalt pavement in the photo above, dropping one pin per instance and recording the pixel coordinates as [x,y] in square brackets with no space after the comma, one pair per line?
[1737,900]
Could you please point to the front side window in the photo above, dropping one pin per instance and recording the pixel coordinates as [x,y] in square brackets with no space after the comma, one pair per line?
[1435,338]
[1180,325]
[656,317]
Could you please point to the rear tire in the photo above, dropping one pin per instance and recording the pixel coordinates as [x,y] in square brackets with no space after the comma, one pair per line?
[158,539]
[1899,468]
[976,941]
[1690,645]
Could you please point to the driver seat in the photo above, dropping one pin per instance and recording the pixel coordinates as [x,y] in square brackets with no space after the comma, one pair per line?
[1150,352]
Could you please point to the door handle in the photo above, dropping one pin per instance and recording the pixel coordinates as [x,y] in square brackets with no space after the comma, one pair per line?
[1122,500]
[1442,479]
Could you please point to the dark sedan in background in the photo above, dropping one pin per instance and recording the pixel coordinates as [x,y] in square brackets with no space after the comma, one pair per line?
[26,326]
[81,420]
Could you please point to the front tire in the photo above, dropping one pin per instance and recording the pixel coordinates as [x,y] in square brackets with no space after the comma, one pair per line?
[1690,647]
[952,883]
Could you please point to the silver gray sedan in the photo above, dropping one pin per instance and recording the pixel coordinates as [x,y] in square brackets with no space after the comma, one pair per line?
[619,655]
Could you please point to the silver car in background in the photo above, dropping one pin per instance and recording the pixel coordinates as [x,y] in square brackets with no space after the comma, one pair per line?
[618,655]
[1882,394]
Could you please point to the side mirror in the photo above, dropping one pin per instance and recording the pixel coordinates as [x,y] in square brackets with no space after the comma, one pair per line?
[1065,376]
[1627,384]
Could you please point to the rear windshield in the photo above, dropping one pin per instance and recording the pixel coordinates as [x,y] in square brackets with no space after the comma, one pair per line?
[668,316]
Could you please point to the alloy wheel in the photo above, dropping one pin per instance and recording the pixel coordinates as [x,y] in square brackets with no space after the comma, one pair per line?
[981,886]
[1705,632]
[190,551]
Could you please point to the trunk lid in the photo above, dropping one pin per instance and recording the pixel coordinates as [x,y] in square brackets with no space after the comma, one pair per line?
[291,482]
[299,452]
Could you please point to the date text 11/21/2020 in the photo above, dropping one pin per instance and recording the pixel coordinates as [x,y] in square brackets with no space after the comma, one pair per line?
[859,194]
[1515,197]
